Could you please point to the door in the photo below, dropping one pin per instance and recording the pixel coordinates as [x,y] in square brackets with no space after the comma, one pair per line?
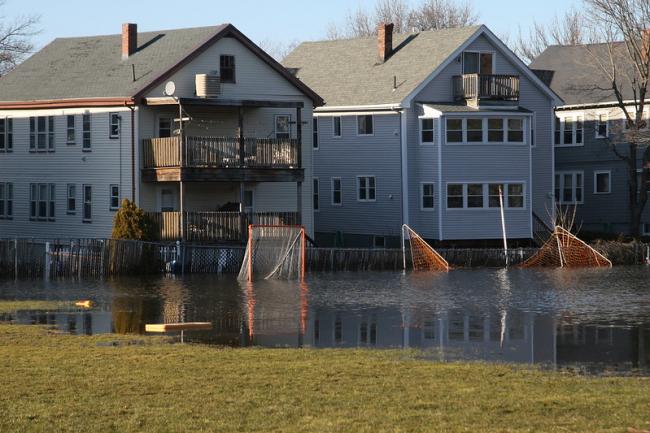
[486,64]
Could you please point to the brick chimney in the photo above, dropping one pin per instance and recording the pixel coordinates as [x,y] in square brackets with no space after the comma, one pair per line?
[385,41]
[129,39]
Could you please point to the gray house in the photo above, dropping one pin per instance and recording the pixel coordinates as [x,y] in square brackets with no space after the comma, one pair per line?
[588,174]
[424,129]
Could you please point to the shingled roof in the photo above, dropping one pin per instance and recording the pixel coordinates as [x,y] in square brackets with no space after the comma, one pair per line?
[575,73]
[92,67]
[347,72]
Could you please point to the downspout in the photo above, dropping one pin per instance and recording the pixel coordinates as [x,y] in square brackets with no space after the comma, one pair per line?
[404,166]
[132,108]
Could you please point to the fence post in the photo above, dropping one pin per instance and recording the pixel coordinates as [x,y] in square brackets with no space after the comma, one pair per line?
[16,258]
[101,268]
[46,271]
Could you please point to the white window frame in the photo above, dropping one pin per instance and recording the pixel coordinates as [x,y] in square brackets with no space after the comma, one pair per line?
[340,119]
[609,181]
[486,195]
[597,124]
[433,197]
[70,129]
[372,117]
[315,193]
[275,126]
[314,134]
[340,203]
[7,134]
[560,186]
[68,210]
[114,120]
[358,185]
[525,119]
[86,134]
[111,197]
[433,129]
[479,52]
[574,129]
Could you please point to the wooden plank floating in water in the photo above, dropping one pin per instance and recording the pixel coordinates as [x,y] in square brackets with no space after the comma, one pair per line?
[174,327]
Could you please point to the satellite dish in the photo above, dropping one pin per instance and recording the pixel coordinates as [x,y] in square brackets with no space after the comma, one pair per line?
[170,88]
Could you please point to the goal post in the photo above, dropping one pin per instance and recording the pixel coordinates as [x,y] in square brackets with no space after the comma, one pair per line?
[423,256]
[274,252]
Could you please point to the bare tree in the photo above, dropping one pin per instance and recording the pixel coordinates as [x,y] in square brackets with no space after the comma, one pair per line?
[278,50]
[568,29]
[625,61]
[15,41]
[427,15]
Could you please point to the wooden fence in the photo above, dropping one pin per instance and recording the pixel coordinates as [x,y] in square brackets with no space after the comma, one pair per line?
[99,258]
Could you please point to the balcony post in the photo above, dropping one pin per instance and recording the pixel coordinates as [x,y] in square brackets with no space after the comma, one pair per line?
[240,120]
[299,135]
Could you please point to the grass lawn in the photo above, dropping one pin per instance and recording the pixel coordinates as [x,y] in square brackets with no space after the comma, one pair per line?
[12,306]
[52,382]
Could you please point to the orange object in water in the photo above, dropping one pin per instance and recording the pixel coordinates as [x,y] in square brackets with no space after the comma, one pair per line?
[564,250]
[424,257]
[84,304]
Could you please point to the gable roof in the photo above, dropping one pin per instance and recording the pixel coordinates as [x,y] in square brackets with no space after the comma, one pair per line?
[573,72]
[91,68]
[347,72]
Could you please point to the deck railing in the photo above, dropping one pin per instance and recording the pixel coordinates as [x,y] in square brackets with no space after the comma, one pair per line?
[481,86]
[221,152]
[205,226]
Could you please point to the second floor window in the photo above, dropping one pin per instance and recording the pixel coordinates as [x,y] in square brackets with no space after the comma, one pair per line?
[41,133]
[336,127]
[283,127]
[70,130]
[6,135]
[602,126]
[114,125]
[365,125]
[6,200]
[569,131]
[164,127]
[227,68]
[426,127]
[316,193]
[86,131]
[315,132]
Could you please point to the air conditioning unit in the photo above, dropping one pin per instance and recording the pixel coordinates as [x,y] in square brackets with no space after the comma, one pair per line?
[208,85]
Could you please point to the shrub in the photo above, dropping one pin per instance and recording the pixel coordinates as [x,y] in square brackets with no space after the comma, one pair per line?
[132,223]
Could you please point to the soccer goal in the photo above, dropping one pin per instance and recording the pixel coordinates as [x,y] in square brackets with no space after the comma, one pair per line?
[565,250]
[274,252]
[423,257]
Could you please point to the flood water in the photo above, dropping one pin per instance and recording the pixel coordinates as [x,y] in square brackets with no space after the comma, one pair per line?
[592,320]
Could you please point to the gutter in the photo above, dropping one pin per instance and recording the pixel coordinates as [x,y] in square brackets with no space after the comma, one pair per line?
[67,103]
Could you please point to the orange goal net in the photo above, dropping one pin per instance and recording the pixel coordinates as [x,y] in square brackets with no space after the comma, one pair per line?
[423,257]
[565,250]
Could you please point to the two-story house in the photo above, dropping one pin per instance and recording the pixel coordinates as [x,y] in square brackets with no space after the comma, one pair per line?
[589,176]
[198,126]
[425,129]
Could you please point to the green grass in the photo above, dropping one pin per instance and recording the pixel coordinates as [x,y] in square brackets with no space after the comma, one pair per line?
[13,306]
[53,382]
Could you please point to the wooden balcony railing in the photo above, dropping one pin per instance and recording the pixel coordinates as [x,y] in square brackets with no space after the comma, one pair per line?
[203,226]
[221,152]
[490,87]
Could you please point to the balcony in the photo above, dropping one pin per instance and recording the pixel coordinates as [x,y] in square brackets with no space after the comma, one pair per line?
[490,89]
[216,226]
[221,159]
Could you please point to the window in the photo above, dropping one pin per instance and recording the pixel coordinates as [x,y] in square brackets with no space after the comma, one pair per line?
[366,188]
[114,125]
[474,195]
[379,242]
[70,130]
[115,197]
[249,201]
[316,193]
[602,182]
[569,131]
[533,123]
[6,135]
[282,126]
[337,193]
[164,127]
[427,201]
[558,131]
[454,130]
[602,126]
[227,68]
[426,128]
[455,196]
[87,202]
[495,191]
[495,130]
[72,199]
[515,195]
[85,121]
[569,187]
[336,125]
[579,129]
[6,200]
[474,130]
[50,133]
[38,133]
[42,198]
[516,130]
[477,63]
[365,125]
[167,200]
[645,229]
[315,132]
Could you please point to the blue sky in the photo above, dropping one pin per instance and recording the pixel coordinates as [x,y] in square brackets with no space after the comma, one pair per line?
[280,21]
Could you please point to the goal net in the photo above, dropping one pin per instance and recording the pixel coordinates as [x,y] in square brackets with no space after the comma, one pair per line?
[423,257]
[274,252]
[564,250]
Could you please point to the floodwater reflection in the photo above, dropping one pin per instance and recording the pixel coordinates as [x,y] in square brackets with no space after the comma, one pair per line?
[592,319]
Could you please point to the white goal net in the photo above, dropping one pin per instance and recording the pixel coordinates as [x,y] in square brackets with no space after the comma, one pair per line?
[276,252]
